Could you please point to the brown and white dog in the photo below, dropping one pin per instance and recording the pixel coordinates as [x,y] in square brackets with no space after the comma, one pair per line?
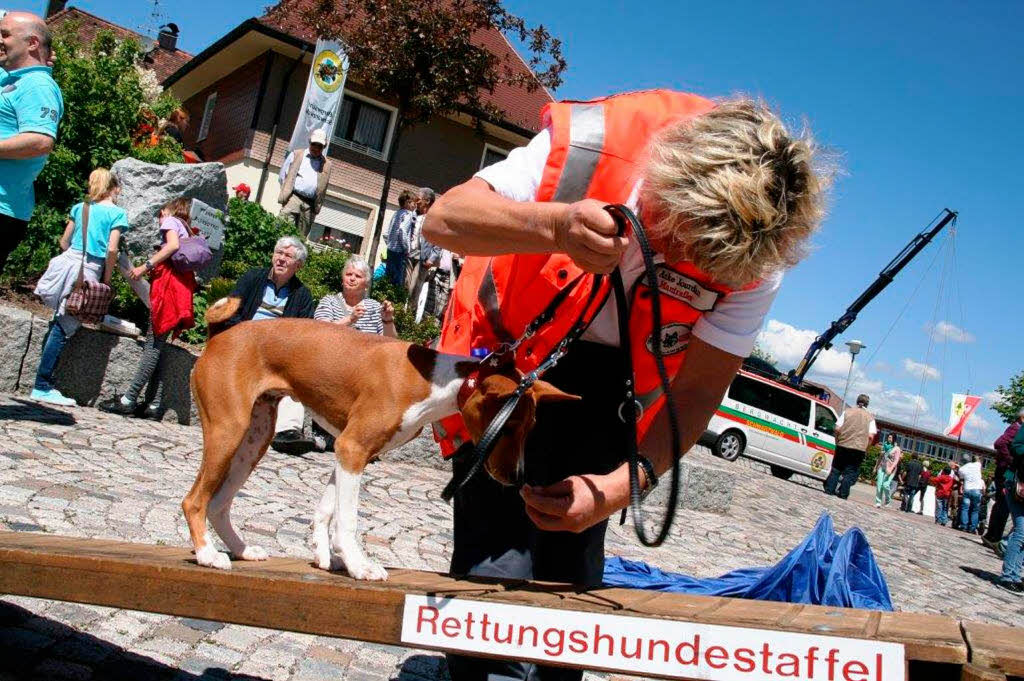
[372,393]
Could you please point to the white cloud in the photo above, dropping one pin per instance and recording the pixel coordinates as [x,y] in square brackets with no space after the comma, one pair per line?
[902,406]
[944,331]
[787,344]
[920,370]
[978,426]
[991,397]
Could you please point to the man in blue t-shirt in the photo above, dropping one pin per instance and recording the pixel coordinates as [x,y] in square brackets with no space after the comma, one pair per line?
[31,106]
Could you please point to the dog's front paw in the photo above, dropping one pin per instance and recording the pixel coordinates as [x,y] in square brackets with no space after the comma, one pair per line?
[211,557]
[324,560]
[254,553]
[368,570]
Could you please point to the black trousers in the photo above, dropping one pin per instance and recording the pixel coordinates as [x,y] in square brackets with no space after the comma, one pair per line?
[12,231]
[908,498]
[1000,511]
[494,536]
[845,469]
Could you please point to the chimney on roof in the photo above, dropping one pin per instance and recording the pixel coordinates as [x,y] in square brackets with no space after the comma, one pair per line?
[168,37]
[54,6]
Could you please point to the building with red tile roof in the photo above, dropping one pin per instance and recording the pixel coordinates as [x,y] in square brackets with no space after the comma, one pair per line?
[160,59]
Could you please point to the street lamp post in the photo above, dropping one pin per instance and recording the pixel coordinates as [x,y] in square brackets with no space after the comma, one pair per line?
[855,347]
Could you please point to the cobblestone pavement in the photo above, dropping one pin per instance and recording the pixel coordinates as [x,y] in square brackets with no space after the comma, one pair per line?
[80,472]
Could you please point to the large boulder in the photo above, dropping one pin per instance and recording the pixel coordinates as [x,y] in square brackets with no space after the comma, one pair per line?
[146,187]
[16,330]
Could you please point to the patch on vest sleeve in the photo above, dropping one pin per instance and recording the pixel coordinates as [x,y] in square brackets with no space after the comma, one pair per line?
[682,287]
[674,338]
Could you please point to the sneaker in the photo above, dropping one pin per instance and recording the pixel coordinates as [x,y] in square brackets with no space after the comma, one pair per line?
[117,405]
[53,396]
[1012,587]
[292,442]
[878,505]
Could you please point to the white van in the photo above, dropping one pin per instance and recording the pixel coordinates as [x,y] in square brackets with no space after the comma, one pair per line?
[790,430]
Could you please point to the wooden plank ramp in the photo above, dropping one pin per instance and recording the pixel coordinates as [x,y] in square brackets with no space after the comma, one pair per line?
[290,594]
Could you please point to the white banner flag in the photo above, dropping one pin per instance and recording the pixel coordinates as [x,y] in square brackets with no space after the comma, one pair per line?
[960,410]
[325,89]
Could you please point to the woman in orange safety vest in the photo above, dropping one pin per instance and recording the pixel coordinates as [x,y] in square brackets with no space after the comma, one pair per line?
[729,199]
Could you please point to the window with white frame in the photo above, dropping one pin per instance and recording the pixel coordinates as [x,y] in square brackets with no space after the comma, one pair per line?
[364,125]
[492,155]
[204,126]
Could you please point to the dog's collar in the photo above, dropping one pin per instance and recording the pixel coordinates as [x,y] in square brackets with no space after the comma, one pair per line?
[467,388]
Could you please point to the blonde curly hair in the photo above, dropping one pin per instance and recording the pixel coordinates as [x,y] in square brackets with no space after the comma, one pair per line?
[733,192]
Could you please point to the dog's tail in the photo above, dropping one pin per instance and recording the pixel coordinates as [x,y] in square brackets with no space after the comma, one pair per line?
[220,313]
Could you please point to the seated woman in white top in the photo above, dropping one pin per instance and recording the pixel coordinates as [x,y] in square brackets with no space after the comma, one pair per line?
[352,308]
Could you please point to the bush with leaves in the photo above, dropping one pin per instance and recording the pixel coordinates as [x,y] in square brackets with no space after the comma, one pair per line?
[405,318]
[322,272]
[249,237]
[107,97]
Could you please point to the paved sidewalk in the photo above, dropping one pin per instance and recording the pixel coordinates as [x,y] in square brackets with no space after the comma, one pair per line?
[80,472]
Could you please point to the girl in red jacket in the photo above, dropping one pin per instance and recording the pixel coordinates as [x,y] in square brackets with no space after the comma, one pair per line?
[943,489]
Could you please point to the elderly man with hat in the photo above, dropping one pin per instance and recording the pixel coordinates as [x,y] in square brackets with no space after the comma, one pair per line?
[855,432]
[304,178]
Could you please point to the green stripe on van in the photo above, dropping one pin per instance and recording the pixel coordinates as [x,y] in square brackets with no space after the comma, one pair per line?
[767,424]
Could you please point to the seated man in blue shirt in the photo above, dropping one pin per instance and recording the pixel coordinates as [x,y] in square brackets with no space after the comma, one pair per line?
[273,293]
[31,106]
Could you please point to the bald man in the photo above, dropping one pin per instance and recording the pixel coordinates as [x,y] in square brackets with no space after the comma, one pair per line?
[31,106]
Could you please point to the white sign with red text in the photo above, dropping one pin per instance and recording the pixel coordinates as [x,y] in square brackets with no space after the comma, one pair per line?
[650,647]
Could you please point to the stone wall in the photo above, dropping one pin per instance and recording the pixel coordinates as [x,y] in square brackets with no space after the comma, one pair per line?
[95,364]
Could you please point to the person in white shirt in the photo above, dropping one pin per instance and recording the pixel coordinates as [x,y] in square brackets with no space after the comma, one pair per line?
[304,178]
[970,500]
[553,527]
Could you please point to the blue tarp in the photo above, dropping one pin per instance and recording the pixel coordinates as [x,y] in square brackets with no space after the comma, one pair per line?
[825,569]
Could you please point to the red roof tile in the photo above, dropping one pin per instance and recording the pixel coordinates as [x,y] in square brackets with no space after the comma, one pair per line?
[520,106]
[163,62]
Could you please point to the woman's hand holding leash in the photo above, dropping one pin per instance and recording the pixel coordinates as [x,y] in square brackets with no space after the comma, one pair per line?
[576,503]
[588,235]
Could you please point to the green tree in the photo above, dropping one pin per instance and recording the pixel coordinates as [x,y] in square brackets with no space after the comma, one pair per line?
[1011,398]
[423,53]
[108,99]
[762,354]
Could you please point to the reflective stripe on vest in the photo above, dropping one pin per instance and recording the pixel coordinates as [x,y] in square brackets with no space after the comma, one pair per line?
[586,141]
[596,149]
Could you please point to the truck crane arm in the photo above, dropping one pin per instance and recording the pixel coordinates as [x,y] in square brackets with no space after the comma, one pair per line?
[885,277]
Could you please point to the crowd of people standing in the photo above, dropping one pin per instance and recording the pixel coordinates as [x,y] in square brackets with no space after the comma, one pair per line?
[426,271]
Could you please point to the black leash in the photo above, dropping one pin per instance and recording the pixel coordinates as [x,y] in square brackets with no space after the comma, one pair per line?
[625,218]
[506,354]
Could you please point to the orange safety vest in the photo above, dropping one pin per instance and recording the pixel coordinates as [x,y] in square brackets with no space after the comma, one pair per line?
[597,149]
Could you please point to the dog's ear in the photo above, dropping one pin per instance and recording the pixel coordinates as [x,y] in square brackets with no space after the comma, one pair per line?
[545,392]
[498,386]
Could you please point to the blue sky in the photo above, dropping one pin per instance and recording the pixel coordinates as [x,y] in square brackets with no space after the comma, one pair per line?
[921,103]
